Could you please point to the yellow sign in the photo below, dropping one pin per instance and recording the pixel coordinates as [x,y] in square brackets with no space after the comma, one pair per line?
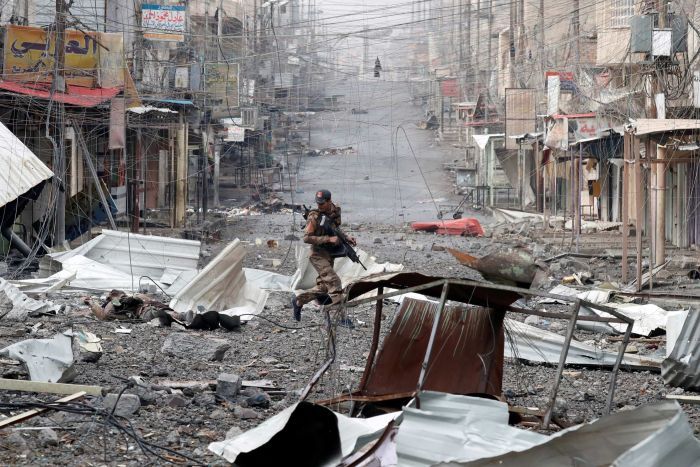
[29,55]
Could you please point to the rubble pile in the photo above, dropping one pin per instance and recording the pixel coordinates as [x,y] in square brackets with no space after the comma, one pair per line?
[192,352]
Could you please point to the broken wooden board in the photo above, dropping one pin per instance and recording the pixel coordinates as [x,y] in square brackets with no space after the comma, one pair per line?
[51,388]
[34,412]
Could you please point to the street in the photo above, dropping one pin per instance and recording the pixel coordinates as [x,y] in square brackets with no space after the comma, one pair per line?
[395,173]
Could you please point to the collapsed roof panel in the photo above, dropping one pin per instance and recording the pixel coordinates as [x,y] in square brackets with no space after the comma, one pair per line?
[139,255]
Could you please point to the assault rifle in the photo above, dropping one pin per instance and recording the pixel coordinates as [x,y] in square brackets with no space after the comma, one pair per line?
[344,248]
[349,250]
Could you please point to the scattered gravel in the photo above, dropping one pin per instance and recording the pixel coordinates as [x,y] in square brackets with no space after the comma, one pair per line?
[275,347]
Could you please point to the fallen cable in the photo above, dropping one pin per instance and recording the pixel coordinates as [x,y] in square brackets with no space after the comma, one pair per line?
[108,419]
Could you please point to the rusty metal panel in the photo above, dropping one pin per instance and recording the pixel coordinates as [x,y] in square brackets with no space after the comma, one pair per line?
[467,355]
[520,114]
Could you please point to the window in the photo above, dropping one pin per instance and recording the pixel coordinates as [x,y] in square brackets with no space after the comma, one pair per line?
[620,12]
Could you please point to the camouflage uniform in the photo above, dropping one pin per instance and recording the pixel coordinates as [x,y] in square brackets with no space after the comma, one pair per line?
[320,258]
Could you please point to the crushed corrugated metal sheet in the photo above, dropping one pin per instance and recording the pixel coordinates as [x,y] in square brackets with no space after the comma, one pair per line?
[467,352]
[305,276]
[656,435]
[21,305]
[47,360]
[20,168]
[674,326]
[222,286]
[116,260]
[461,428]
[682,367]
[537,345]
[303,434]
[455,430]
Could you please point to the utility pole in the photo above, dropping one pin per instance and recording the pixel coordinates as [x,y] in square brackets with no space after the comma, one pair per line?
[477,49]
[576,22]
[461,37]
[220,48]
[659,168]
[470,75]
[204,127]
[542,58]
[58,84]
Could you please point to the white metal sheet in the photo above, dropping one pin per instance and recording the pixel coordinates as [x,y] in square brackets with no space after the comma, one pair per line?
[20,168]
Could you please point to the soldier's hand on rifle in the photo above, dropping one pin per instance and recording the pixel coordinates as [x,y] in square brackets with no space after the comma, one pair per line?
[334,240]
[352,241]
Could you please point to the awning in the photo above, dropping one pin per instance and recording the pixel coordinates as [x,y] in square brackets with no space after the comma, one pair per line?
[76,95]
[182,102]
[483,140]
[20,168]
[645,126]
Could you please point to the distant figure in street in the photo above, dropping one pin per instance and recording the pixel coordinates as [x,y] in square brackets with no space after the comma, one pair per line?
[321,232]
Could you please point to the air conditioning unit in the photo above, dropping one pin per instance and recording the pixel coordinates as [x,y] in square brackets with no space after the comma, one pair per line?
[249,117]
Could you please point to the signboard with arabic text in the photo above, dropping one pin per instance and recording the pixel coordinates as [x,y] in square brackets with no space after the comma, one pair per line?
[28,55]
[163,22]
[221,82]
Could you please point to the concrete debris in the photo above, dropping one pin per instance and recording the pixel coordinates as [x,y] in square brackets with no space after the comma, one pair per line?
[90,345]
[233,432]
[175,401]
[342,150]
[47,437]
[47,360]
[126,405]
[182,345]
[245,413]
[228,385]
